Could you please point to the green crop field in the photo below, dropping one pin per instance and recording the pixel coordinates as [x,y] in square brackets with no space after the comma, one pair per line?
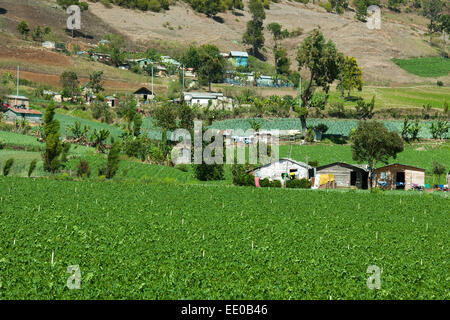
[139,241]
[425,67]
[335,127]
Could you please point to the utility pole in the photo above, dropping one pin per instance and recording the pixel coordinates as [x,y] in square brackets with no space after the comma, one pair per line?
[17,93]
[183,76]
[153,91]
[300,93]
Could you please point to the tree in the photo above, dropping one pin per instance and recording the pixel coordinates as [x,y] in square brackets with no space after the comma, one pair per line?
[23,29]
[166,117]
[339,6]
[191,58]
[361,10]
[70,83]
[112,164]
[323,62]
[364,110]
[186,117]
[444,27]
[98,139]
[438,170]
[212,65]
[53,147]
[350,76]
[282,62]
[253,36]
[37,34]
[432,9]
[95,82]
[373,143]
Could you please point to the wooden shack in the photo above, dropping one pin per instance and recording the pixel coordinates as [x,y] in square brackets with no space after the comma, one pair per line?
[345,175]
[399,176]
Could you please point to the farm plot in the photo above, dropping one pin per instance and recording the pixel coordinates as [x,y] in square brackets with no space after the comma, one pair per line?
[335,127]
[134,241]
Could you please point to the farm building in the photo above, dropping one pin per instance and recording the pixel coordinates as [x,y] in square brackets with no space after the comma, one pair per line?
[143,94]
[33,116]
[142,63]
[345,175]
[170,60]
[48,45]
[282,168]
[238,58]
[208,98]
[112,101]
[399,176]
[101,57]
[21,101]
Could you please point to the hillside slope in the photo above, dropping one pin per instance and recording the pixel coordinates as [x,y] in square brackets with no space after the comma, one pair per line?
[374,49]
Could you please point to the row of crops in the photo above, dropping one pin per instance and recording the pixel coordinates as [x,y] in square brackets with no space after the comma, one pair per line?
[145,241]
[335,127]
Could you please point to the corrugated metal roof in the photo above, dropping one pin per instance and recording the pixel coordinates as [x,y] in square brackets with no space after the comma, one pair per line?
[17,97]
[238,54]
[24,111]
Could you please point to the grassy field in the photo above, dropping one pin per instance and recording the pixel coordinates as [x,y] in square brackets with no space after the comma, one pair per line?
[425,67]
[137,241]
[418,154]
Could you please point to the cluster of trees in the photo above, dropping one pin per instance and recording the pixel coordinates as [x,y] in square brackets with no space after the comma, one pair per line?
[207,61]
[37,34]
[208,7]
[71,84]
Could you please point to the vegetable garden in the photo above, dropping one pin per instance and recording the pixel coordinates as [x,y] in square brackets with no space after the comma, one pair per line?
[148,241]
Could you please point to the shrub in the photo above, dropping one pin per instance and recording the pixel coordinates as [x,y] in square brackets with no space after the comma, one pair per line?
[240,175]
[298,183]
[32,167]
[264,183]
[112,164]
[7,167]
[440,83]
[275,184]
[83,169]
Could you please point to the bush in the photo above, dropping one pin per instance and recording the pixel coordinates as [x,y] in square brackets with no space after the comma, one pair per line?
[83,169]
[7,167]
[240,175]
[440,83]
[32,167]
[264,183]
[298,183]
[275,184]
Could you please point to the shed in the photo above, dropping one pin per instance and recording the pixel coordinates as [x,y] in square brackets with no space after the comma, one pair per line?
[283,167]
[143,94]
[239,58]
[33,116]
[49,45]
[14,100]
[399,176]
[346,175]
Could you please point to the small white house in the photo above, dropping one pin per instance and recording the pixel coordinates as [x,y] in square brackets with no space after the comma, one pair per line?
[48,45]
[282,168]
[203,99]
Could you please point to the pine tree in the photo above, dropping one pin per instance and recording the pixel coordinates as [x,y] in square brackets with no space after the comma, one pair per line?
[53,147]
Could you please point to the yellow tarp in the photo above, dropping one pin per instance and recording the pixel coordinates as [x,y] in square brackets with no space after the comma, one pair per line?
[325,178]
